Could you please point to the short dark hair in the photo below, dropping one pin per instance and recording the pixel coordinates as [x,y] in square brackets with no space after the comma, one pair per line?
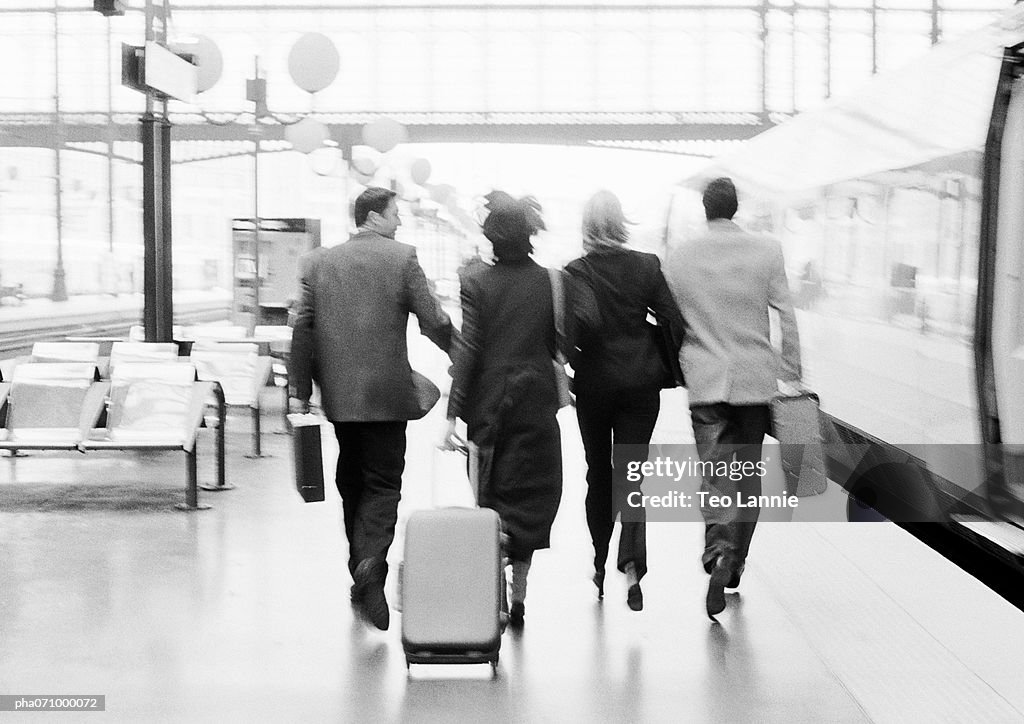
[374,198]
[510,224]
[720,199]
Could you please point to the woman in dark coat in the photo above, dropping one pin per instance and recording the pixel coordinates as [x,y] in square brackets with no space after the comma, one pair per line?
[619,375]
[503,386]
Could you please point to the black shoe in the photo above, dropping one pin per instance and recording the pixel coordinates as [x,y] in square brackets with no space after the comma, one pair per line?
[517,614]
[635,598]
[598,580]
[355,593]
[715,602]
[370,575]
[734,580]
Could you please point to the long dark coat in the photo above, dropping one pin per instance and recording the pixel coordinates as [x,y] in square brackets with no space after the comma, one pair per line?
[503,386]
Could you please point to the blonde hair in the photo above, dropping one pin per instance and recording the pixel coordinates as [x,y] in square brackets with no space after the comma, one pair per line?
[603,220]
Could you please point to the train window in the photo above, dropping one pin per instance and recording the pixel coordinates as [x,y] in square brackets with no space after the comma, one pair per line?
[869,208]
[933,230]
[911,227]
[839,207]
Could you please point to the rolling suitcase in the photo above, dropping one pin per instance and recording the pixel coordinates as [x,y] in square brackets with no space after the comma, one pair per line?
[452,587]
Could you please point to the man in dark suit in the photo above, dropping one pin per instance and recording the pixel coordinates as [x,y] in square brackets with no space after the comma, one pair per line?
[351,322]
[725,282]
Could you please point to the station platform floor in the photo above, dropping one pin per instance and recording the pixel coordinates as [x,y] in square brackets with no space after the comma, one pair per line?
[241,612]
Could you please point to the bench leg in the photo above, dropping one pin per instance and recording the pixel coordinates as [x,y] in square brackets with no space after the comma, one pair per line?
[284,412]
[256,449]
[191,481]
[222,418]
[191,489]
[222,414]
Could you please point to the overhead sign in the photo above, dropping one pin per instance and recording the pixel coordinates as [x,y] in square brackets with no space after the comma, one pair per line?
[169,74]
[156,69]
[108,7]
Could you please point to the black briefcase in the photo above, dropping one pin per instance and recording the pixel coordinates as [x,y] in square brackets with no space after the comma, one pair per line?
[308,456]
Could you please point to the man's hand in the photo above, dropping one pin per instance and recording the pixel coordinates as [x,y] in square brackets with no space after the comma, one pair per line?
[792,388]
[297,405]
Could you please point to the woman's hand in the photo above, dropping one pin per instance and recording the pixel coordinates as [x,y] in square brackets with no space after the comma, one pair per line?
[451,439]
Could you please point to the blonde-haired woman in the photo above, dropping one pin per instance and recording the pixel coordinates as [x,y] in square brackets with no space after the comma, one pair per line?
[619,375]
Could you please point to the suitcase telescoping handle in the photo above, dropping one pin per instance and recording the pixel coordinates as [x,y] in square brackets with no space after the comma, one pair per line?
[470,451]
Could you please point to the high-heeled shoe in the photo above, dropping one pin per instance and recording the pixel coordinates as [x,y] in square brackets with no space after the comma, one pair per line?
[598,580]
[635,598]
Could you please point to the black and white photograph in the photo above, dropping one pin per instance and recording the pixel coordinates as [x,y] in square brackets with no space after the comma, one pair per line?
[494,360]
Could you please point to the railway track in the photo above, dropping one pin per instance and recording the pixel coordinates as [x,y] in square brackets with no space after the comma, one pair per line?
[18,336]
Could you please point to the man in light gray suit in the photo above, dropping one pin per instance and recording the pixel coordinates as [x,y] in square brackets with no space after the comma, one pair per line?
[725,283]
[350,334]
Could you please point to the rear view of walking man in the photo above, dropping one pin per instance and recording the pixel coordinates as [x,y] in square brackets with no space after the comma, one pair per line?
[725,282]
[350,334]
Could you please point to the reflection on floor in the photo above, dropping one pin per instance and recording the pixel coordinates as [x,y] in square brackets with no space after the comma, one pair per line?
[242,613]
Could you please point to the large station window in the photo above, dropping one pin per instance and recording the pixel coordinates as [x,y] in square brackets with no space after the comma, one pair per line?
[901,37]
[514,78]
[458,72]
[30,90]
[621,78]
[851,57]
[568,71]
[780,67]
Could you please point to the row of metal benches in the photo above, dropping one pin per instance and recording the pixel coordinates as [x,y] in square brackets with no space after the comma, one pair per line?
[67,396]
[237,367]
[143,406]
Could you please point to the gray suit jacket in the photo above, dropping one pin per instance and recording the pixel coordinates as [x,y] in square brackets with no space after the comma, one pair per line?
[725,282]
[350,328]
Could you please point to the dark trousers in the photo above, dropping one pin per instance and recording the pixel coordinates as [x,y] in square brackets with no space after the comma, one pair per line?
[371,460]
[606,419]
[732,434]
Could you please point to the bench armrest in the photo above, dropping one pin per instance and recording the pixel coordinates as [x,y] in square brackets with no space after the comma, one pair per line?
[262,376]
[5,391]
[194,415]
[92,406]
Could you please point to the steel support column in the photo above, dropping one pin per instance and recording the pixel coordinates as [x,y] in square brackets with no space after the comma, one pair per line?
[158,309]
[60,289]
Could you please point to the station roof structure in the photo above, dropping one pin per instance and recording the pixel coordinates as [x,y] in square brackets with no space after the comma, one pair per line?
[685,76]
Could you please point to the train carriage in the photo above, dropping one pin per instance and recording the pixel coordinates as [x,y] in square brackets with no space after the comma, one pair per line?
[901,213]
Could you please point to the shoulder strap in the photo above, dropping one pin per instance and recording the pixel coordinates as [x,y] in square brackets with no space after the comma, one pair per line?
[558,310]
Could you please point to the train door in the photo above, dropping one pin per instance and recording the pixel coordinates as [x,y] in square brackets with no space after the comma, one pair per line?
[1003,376]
